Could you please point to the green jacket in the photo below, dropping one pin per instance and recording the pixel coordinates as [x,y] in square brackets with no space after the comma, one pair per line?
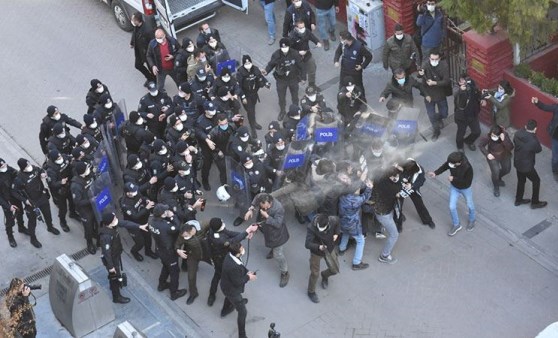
[194,246]
[395,56]
[501,112]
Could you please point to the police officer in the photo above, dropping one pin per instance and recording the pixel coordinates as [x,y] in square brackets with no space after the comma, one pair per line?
[111,247]
[187,121]
[88,143]
[13,209]
[185,152]
[350,99]
[169,196]
[250,80]
[94,94]
[227,103]
[274,161]
[30,190]
[134,132]
[140,175]
[300,37]
[91,127]
[204,125]
[312,101]
[136,208]
[104,113]
[202,84]
[81,183]
[258,179]
[225,80]
[164,227]
[288,68]
[160,160]
[54,116]
[155,107]
[61,140]
[241,143]
[187,184]
[353,57]
[290,123]
[188,101]
[59,175]
[219,238]
[220,136]
[175,131]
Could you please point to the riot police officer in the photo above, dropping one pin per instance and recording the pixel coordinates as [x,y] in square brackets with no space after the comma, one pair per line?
[274,161]
[136,208]
[164,227]
[54,116]
[187,184]
[241,143]
[81,183]
[91,127]
[59,175]
[136,172]
[170,196]
[227,103]
[160,161]
[155,107]
[88,143]
[258,179]
[204,125]
[134,132]
[353,57]
[12,207]
[104,113]
[61,140]
[202,84]
[189,102]
[175,131]
[219,136]
[111,247]
[349,99]
[312,102]
[94,94]
[30,190]
[290,123]
[250,80]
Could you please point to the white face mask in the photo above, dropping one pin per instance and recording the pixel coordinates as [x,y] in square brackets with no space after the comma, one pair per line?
[312,97]
[201,78]
[187,237]
[190,49]
[434,63]
[163,151]
[212,44]
[56,117]
[494,138]
[100,89]
[160,40]
[501,91]
[399,36]
[139,122]
[207,31]
[248,66]
[87,172]
[225,98]
[59,160]
[245,138]
[175,189]
[431,8]
[249,166]
[452,165]
[226,78]
[62,135]
[179,127]
[211,113]
[108,105]
[394,179]
[297,4]
[280,147]
[86,145]
[155,93]
[138,166]
[377,153]
[28,169]
[183,117]
[285,50]
[184,172]
[301,30]
[93,125]
[181,94]
[4,169]
[296,117]
[203,59]
[350,88]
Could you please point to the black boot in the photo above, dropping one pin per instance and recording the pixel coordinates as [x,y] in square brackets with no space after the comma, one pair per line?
[35,242]
[12,241]
[64,226]
[22,230]
[91,248]
[53,230]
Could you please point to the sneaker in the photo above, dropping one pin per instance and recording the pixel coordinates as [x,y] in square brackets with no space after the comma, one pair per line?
[522,201]
[325,283]
[389,259]
[271,41]
[454,230]
[313,297]
[471,226]
[284,279]
[360,266]
[539,204]
[497,191]
[379,235]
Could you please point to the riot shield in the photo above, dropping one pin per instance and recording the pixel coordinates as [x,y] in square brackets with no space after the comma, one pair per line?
[120,116]
[238,184]
[404,128]
[296,160]
[327,136]
[365,131]
[110,141]
[100,192]
[301,133]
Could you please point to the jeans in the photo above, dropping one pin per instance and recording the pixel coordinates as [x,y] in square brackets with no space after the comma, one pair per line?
[357,258]
[499,169]
[434,117]
[554,156]
[533,176]
[269,17]
[454,195]
[392,233]
[326,21]
[280,258]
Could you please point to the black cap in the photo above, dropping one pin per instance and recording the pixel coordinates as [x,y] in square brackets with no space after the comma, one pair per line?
[2,162]
[182,165]
[76,152]
[285,42]
[215,224]
[133,159]
[57,129]
[160,209]
[134,116]
[94,83]
[348,81]
[185,87]
[81,167]
[152,86]
[105,98]
[201,72]
[22,163]
[172,120]
[209,106]
[53,154]
[311,90]
[88,119]
[278,137]
[51,110]
[108,217]
[80,139]
[222,91]
[246,158]
[274,125]
[130,187]
[181,147]
[169,183]
[246,58]
[294,110]
[158,145]
[242,131]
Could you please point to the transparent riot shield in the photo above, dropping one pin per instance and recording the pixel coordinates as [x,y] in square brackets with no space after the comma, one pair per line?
[296,160]
[404,129]
[110,144]
[301,133]
[100,192]
[120,116]
[368,128]
[238,184]
[327,136]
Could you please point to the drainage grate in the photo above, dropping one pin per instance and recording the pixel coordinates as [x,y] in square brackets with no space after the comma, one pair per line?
[46,271]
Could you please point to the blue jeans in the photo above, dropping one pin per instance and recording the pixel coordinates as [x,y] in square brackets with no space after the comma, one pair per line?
[357,258]
[431,110]
[269,17]
[554,156]
[454,195]
[326,21]
[389,224]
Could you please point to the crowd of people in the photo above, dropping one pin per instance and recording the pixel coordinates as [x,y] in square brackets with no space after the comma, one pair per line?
[353,184]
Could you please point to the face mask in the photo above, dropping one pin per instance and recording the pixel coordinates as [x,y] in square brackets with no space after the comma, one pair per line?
[59,160]
[187,237]
[249,166]
[138,166]
[212,44]
[207,31]
[93,125]
[431,8]
[224,127]
[86,145]
[163,151]
[312,97]
[434,63]
[179,127]
[245,138]
[28,169]
[3,169]
[285,50]
[301,30]
[181,94]
[184,172]
[399,36]
[225,98]
[242,252]
[190,49]
[494,138]
[297,4]
[452,165]
[401,81]
[201,78]
[501,91]
[133,194]
[211,113]
[280,147]
[350,88]
[87,172]
[175,189]
[100,89]
[160,41]
[56,117]
[139,122]
[296,117]
[226,78]
[248,66]
[155,93]
[108,105]
[61,135]
[377,153]
[203,59]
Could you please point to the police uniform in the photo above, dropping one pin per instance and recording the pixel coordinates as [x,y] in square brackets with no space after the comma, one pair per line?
[189,102]
[48,123]
[175,201]
[250,81]
[241,143]
[7,177]
[202,84]
[349,101]
[91,127]
[58,170]
[221,138]
[104,113]
[88,143]
[140,175]
[176,131]
[312,102]
[351,56]
[186,182]
[274,161]
[61,140]
[204,125]
[94,94]
[80,187]
[159,104]
[258,180]
[134,132]
[159,161]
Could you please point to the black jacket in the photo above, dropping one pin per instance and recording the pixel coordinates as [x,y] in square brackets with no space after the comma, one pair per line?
[111,245]
[294,14]
[466,103]
[250,81]
[527,145]
[384,195]
[273,228]
[154,52]
[55,174]
[233,277]
[217,240]
[403,94]
[47,125]
[141,36]
[6,180]
[29,186]
[287,66]
[462,175]
[315,238]
[552,128]
[80,187]
[351,56]
[134,208]
[164,232]
[441,75]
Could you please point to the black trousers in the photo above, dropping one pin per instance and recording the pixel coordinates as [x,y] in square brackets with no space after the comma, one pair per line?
[473,125]
[64,203]
[282,86]
[357,78]
[499,169]
[10,218]
[250,108]
[113,279]
[533,176]
[142,239]
[90,226]
[237,302]
[218,265]
[170,268]
[140,65]
[419,206]
[44,206]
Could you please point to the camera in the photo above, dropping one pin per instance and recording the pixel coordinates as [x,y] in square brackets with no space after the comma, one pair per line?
[272,333]
[34,286]
[202,207]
